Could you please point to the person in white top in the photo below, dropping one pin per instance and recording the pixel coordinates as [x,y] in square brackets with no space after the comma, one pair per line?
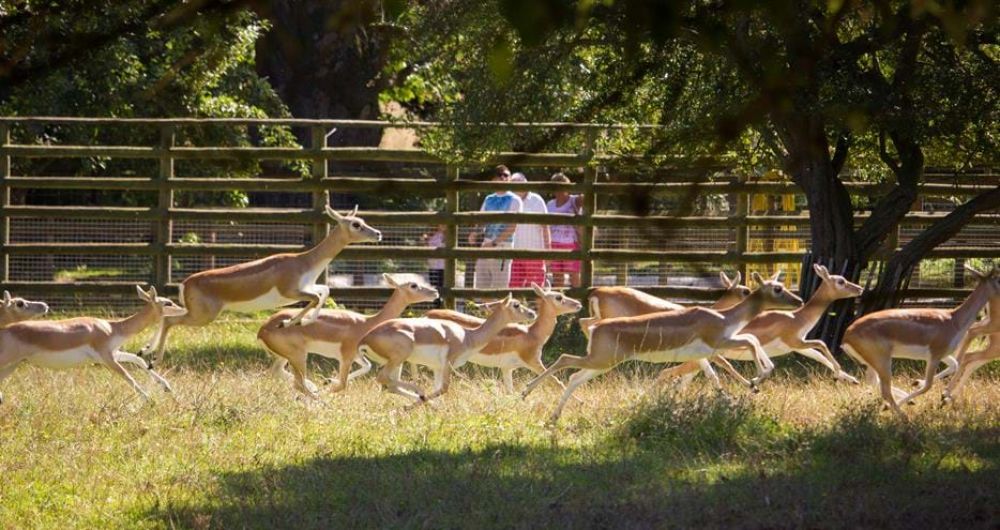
[494,273]
[524,272]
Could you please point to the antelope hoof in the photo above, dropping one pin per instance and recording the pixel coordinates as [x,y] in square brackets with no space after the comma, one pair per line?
[754,388]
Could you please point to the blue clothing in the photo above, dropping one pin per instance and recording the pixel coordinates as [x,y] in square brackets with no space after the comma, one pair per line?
[497,203]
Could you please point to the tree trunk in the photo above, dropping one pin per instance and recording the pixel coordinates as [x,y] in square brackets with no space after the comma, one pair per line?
[324,59]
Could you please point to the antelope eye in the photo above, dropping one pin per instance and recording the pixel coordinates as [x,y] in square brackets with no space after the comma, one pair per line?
[777,289]
[413,286]
[355,225]
[840,281]
[20,303]
[559,298]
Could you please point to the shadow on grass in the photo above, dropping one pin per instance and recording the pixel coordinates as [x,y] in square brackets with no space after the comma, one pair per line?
[708,462]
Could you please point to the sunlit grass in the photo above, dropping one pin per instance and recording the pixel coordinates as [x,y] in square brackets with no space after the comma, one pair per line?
[234,448]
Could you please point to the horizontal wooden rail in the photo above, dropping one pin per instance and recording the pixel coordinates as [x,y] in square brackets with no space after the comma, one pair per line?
[434,187]
[299,122]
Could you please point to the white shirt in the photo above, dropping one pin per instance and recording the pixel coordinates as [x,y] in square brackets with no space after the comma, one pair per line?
[531,236]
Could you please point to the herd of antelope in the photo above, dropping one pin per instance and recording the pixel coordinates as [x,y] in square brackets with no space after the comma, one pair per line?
[625,324]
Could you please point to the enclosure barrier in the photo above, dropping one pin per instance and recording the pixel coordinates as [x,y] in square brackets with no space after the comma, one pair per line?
[319,183]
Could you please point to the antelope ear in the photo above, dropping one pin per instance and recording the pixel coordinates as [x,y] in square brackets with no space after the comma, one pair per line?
[726,282]
[388,280]
[538,290]
[738,279]
[354,213]
[6,297]
[509,299]
[776,277]
[333,214]
[142,294]
[152,293]
[821,271]
[756,277]
[976,274]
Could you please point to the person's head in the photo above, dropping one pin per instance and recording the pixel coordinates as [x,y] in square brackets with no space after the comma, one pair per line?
[519,177]
[501,174]
[561,196]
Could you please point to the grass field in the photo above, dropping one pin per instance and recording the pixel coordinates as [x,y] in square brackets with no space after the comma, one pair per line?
[238,449]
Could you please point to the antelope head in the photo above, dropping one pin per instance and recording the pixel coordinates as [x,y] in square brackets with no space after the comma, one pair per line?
[562,303]
[17,309]
[164,307]
[774,294]
[414,292]
[836,284]
[356,228]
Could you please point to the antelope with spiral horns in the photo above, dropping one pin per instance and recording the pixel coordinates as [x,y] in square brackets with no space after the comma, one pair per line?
[334,334]
[781,332]
[674,336]
[517,345]
[614,302]
[441,345]
[17,309]
[922,334]
[267,283]
[63,344]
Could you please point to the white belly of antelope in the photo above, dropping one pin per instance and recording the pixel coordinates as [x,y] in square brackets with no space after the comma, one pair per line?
[689,352]
[775,348]
[330,350]
[66,359]
[268,300]
[501,360]
[430,355]
[916,352]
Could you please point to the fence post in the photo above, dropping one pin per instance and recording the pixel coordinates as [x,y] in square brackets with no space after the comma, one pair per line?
[320,197]
[589,207]
[450,236]
[742,229]
[4,203]
[165,202]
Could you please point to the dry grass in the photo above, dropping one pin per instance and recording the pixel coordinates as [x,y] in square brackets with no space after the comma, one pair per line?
[237,449]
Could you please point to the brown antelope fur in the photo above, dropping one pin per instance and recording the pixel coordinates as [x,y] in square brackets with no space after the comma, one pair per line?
[267,283]
[672,336]
[63,344]
[923,334]
[614,302]
[17,309]
[441,345]
[517,345]
[781,332]
[334,334]
[970,361]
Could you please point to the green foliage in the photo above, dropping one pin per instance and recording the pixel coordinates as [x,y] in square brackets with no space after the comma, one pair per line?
[717,77]
[202,69]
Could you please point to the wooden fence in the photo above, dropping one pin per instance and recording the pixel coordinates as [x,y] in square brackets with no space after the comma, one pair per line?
[320,183]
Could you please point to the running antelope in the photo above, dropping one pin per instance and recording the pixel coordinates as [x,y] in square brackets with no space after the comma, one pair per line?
[970,361]
[63,344]
[923,334]
[517,345]
[614,302]
[441,345]
[781,332]
[267,283]
[17,309]
[335,335]
[672,336]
